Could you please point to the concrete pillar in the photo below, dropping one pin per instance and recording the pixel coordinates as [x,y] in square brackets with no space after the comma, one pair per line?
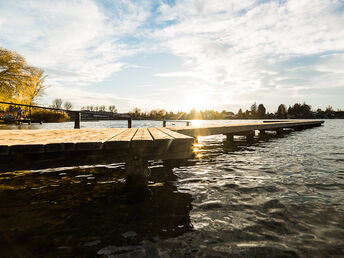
[249,136]
[77,119]
[279,131]
[137,172]
[229,142]
[262,133]
[230,138]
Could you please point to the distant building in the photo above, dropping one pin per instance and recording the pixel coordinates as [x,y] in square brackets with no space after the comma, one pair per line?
[228,115]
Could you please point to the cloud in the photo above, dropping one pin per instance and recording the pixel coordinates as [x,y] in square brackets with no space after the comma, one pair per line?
[236,51]
[79,38]
[246,46]
[81,97]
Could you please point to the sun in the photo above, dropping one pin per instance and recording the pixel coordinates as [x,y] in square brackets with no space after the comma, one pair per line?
[197,100]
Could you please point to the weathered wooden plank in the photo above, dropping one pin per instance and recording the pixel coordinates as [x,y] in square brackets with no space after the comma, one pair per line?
[141,141]
[175,134]
[181,143]
[159,134]
[121,140]
[96,140]
[17,137]
[161,142]
[235,128]
[142,134]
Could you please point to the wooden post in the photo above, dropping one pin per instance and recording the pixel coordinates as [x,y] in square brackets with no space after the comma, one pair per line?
[188,123]
[77,119]
[129,122]
[164,123]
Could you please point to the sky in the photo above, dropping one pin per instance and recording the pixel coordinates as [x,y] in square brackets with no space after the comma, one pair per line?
[180,54]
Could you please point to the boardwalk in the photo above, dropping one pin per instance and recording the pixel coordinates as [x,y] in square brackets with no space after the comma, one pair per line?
[27,149]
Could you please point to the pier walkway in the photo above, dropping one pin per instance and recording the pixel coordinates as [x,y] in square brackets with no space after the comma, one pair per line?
[29,149]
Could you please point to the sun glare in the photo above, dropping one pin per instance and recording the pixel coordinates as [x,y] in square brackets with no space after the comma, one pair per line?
[197,100]
[196,123]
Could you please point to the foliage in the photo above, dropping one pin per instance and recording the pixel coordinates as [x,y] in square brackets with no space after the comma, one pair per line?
[19,82]
[254,110]
[261,111]
[112,109]
[281,111]
[48,116]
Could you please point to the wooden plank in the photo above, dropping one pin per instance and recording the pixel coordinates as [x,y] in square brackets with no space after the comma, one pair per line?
[121,140]
[142,134]
[159,134]
[96,139]
[162,142]
[235,128]
[181,143]
[141,141]
[174,134]
[22,137]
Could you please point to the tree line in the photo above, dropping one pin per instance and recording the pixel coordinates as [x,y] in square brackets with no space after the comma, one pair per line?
[296,111]
[59,104]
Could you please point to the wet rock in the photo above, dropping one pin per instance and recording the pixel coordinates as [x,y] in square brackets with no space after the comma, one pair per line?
[92,243]
[273,204]
[211,205]
[129,234]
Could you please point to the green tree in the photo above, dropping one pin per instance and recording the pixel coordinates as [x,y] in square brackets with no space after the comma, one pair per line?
[281,111]
[261,111]
[240,115]
[254,110]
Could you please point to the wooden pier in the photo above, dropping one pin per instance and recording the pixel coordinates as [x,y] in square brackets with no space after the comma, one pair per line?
[30,149]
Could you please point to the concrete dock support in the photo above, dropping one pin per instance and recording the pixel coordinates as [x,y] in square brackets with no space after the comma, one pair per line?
[229,141]
[279,131]
[77,120]
[230,138]
[137,172]
[262,133]
[250,135]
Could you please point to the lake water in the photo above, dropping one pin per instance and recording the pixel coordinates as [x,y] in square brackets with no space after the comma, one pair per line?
[279,196]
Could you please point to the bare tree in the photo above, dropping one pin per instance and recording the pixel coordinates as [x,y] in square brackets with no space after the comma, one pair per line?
[68,105]
[57,103]
[113,109]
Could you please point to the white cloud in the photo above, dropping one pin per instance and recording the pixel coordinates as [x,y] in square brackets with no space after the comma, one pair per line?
[245,47]
[71,37]
[82,97]
[236,51]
